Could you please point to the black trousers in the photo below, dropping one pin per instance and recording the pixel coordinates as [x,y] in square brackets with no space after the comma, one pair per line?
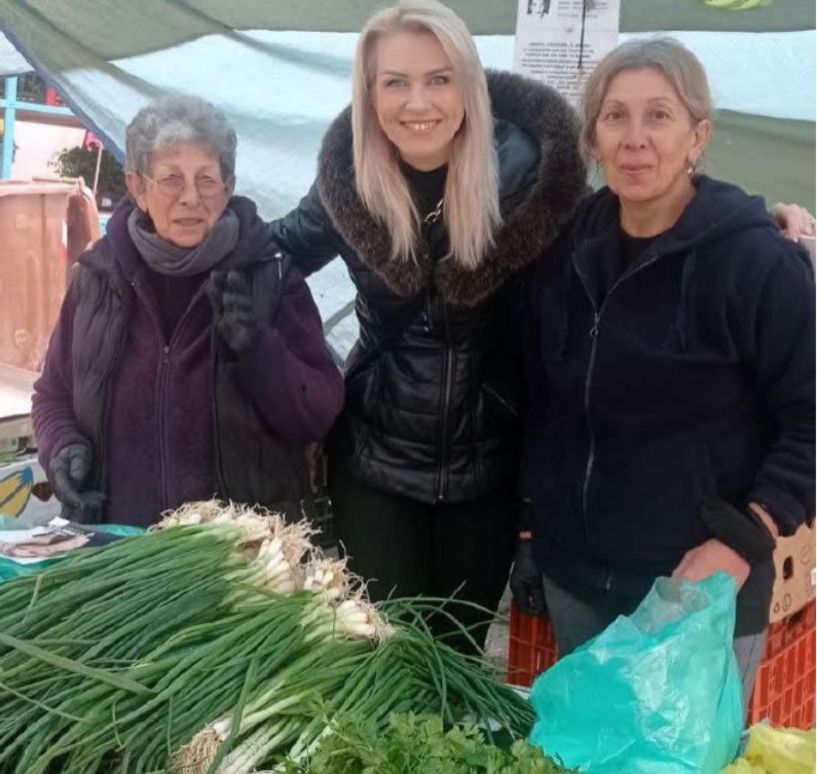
[407,548]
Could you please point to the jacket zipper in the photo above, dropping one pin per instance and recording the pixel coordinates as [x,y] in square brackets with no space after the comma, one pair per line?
[164,367]
[219,475]
[167,349]
[591,453]
[448,369]
[594,336]
[448,365]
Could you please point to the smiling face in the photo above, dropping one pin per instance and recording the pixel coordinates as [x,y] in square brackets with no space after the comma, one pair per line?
[417,97]
[646,140]
[183,193]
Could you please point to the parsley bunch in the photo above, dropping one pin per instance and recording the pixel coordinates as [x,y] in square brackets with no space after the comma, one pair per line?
[415,744]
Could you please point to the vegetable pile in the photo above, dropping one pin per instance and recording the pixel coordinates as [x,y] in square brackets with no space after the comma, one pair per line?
[419,745]
[222,641]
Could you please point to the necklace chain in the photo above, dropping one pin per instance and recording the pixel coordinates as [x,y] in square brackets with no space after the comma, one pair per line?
[434,215]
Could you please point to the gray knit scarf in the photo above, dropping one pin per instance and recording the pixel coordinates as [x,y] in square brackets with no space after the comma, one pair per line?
[164,257]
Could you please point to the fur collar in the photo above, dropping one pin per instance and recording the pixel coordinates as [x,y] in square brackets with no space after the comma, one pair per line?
[530,223]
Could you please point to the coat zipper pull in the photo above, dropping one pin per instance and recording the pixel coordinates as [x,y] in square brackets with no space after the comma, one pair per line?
[594,331]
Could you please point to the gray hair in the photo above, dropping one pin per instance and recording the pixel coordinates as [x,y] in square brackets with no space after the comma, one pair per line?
[174,120]
[674,61]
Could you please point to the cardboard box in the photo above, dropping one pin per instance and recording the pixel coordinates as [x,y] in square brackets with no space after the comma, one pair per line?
[794,562]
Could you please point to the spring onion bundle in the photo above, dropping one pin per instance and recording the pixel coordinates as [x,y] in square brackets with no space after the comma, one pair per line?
[222,641]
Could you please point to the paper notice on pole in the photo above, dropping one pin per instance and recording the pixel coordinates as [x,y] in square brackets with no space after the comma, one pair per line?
[559,42]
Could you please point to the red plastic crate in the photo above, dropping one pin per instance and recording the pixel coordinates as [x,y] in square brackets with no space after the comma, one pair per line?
[789,630]
[784,688]
[785,685]
[531,647]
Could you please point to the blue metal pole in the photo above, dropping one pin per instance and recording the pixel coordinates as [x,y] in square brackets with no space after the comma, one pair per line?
[8,128]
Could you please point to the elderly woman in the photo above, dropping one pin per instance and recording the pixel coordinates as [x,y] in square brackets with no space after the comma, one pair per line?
[436,187]
[672,368]
[189,357]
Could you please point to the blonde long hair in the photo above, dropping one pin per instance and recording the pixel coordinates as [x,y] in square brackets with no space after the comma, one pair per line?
[471,203]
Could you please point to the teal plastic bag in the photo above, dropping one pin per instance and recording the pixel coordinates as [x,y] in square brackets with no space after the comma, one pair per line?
[658,692]
[11,569]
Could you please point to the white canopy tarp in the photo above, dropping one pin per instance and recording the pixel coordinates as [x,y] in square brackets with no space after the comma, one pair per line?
[280,89]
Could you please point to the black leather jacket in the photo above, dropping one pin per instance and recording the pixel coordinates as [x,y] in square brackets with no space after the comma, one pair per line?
[432,385]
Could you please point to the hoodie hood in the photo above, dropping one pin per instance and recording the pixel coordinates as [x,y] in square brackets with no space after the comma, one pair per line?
[536,200]
[716,214]
[718,211]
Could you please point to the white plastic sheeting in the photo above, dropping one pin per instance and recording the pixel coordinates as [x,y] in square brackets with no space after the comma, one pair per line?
[281,89]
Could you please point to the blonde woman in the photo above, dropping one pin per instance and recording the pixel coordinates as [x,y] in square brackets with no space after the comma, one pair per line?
[436,187]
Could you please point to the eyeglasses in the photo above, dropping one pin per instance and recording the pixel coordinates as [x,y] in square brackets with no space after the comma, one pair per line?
[175,185]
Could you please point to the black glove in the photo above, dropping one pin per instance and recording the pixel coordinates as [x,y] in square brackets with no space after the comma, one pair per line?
[742,530]
[67,471]
[526,580]
[231,298]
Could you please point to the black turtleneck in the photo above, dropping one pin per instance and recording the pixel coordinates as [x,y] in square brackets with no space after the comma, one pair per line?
[633,247]
[427,188]
[630,249]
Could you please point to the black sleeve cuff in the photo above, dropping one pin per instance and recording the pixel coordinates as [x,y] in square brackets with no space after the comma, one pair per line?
[741,530]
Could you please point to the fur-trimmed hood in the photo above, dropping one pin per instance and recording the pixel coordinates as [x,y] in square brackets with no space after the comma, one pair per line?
[531,221]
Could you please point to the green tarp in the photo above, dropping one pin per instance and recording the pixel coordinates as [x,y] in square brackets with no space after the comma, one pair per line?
[768,156]
[117,28]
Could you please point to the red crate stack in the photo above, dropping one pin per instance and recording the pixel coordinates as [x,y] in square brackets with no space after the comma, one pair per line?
[785,684]
[531,648]
[789,630]
[784,691]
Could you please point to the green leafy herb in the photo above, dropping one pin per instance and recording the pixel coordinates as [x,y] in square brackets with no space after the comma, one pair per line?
[416,744]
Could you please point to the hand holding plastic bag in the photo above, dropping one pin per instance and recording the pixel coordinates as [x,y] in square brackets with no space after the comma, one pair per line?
[658,692]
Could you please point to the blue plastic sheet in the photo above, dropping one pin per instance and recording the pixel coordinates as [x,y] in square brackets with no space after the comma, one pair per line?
[658,692]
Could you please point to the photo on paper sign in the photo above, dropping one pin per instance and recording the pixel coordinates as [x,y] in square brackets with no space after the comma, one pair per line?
[538,7]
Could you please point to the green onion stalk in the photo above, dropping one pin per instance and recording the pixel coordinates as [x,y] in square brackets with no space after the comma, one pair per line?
[220,641]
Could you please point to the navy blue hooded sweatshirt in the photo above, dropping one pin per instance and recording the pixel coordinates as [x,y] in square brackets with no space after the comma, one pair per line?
[691,376]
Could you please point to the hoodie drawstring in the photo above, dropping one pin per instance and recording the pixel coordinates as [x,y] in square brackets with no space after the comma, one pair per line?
[679,325]
[560,349]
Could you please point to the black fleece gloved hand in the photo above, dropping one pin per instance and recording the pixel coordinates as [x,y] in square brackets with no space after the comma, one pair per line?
[67,471]
[231,298]
[526,580]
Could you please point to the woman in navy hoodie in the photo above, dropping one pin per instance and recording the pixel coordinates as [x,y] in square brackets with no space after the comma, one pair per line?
[189,358]
[671,367]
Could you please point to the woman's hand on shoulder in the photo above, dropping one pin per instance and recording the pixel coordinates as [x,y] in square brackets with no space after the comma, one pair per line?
[794,221]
